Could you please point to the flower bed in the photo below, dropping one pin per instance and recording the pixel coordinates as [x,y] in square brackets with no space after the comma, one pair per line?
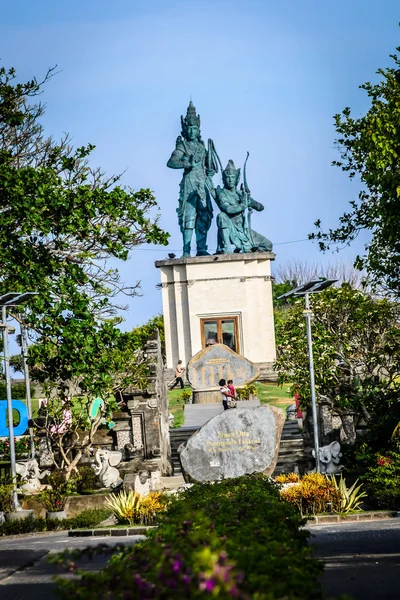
[233,539]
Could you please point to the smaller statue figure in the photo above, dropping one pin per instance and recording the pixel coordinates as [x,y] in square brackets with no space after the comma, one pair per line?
[104,467]
[30,476]
[329,459]
[195,209]
[234,226]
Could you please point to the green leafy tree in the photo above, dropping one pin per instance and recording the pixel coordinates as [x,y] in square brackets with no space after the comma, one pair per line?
[370,151]
[142,333]
[60,223]
[356,344]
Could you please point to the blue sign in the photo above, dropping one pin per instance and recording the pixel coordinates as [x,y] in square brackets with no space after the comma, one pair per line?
[22,426]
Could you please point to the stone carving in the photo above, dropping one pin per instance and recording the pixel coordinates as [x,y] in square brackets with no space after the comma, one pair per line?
[234,225]
[104,467]
[216,362]
[30,476]
[195,209]
[234,443]
[143,482]
[329,459]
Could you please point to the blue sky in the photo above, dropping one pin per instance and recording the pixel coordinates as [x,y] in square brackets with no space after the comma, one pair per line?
[265,77]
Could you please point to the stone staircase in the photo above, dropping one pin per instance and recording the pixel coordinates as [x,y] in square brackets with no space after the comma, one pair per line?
[291,452]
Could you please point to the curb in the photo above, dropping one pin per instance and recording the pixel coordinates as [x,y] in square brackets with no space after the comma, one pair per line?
[111,532]
[363,516]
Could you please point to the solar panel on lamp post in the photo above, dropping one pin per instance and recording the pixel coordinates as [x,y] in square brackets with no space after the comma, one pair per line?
[13,299]
[311,287]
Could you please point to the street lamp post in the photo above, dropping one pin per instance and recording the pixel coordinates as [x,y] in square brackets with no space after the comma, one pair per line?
[11,299]
[311,287]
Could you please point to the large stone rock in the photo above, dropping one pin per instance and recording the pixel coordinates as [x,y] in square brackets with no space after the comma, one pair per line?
[234,443]
[216,362]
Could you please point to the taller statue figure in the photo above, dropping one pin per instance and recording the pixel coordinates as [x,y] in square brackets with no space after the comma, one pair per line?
[195,209]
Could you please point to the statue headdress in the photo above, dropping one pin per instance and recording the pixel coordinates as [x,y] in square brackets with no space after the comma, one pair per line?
[230,168]
[192,118]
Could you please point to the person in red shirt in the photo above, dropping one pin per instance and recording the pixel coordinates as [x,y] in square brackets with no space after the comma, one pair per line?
[231,388]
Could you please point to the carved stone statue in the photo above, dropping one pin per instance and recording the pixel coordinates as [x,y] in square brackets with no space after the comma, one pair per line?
[329,459]
[104,467]
[30,476]
[195,209]
[234,227]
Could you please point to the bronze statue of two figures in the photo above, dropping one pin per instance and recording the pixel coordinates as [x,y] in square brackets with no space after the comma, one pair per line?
[195,211]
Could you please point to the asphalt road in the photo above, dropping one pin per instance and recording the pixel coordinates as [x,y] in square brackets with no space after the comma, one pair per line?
[362,559]
[25,573]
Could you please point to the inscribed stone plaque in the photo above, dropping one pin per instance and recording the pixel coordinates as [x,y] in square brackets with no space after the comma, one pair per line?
[216,362]
[234,443]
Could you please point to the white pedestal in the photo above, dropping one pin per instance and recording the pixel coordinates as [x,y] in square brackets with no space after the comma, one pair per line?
[224,285]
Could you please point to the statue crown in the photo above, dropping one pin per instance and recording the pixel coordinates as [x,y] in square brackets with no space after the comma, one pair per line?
[230,168]
[191,117]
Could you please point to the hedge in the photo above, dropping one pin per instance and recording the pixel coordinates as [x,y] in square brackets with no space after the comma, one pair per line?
[233,539]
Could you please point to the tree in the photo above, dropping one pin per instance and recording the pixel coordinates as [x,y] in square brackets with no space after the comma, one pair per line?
[370,150]
[60,223]
[356,343]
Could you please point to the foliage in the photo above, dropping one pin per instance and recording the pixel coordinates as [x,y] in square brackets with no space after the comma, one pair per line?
[246,391]
[143,333]
[350,498]
[86,519]
[18,391]
[287,478]
[370,150]
[6,488]
[185,396]
[382,479]
[356,345]
[22,445]
[151,506]
[85,480]
[61,222]
[126,506]
[234,538]
[314,494]
[59,488]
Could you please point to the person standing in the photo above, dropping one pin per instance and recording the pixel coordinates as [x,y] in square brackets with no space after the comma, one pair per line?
[178,375]
[231,388]
[225,393]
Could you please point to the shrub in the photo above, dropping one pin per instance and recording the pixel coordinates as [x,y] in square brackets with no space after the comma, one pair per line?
[86,480]
[6,488]
[245,392]
[232,539]
[382,480]
[55,496]
[350,498]
[88,518]
[314,494]
[151,506]
[287,478]
[125,506]
[185,396]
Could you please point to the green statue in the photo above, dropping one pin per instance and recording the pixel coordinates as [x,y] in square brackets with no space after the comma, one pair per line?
[195,209]
[234,225]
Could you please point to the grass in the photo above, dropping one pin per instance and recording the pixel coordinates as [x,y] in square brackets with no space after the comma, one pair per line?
[268,393]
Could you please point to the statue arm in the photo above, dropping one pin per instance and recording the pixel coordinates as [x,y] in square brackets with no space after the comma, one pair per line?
[228,207]
[179,158]
[256,205]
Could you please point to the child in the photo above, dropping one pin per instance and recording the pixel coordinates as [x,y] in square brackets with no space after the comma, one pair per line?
[231,388]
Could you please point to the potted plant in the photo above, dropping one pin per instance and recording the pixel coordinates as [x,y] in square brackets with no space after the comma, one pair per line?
[55,497]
